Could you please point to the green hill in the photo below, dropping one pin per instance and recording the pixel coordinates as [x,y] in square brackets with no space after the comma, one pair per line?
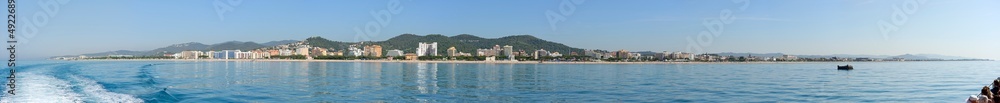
[463,43]
[406,42]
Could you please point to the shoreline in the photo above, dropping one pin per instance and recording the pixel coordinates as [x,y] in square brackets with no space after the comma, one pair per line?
[470,62]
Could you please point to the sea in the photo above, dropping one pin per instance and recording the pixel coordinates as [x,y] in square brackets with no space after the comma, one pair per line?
[308,82]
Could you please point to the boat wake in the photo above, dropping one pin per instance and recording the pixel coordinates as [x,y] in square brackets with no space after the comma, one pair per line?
[98,93]
[35,88]
[40,84]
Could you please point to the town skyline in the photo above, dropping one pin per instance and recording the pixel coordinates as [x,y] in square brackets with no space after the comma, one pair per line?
[792,27]
[292,47]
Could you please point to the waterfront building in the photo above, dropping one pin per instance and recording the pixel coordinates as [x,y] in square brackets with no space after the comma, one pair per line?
[354,51]
[680,55]
[427,49]
[491,58]
[635,55]
[244,55]
[285,52]
[189,54]
[317,51]
[171,55]
[210,55]
[661,55]
[258,54]
[374,50]
[337,53]
[302,51]
[226,54]
[273,52]
[120,56]
[540,53]
[452,51]
[411,56]
[624,54]
[464,54]
[555,54]
[788,58]
[486,52]
[591,53]
[508,50]
[394,53]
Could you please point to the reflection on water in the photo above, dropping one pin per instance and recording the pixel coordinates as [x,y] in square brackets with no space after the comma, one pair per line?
[249,81]
[360,82]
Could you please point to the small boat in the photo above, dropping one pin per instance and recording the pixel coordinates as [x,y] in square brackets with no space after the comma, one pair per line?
[845,67]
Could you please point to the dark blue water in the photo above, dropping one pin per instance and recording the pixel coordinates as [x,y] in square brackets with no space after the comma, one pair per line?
[280,82]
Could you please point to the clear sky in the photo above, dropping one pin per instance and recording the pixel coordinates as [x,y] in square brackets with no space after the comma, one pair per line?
[969,28]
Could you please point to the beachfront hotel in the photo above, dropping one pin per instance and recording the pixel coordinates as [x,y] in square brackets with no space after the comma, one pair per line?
[427,49]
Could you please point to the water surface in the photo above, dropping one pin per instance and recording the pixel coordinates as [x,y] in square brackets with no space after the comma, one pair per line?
[275,82]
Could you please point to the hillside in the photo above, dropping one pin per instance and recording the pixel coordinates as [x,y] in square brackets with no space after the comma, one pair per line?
[231,45]
[235,45]
[463,43]
[406,42]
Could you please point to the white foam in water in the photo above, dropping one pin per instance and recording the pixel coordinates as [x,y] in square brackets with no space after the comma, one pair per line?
[36,88]
[98,93]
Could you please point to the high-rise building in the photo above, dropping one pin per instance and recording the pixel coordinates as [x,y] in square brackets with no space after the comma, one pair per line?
[210,54]
[285,52]
[189,54]
[373,50]
[427,49]
[302,51]
[622,54]
[508,50]
[377,50]
[244,55]
[452,51]
[366,48]
[225,54]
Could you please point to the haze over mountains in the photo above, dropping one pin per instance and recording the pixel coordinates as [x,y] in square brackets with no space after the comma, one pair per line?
[463,43]
[230,45]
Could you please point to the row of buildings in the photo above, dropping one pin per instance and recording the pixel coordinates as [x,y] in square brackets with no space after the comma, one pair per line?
[431,49]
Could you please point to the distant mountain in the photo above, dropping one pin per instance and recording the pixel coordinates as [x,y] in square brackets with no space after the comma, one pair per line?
[945,57]
[235,45]
[905,56]
[929,57]
[406,42]
[324,43]
[118,52]
[175,48]
[280,42]
[911,57]
[178,47]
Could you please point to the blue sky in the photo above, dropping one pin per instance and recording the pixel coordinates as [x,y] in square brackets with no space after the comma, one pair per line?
[969,28]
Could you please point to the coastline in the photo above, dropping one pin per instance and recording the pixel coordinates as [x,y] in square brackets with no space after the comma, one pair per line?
[418,61]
